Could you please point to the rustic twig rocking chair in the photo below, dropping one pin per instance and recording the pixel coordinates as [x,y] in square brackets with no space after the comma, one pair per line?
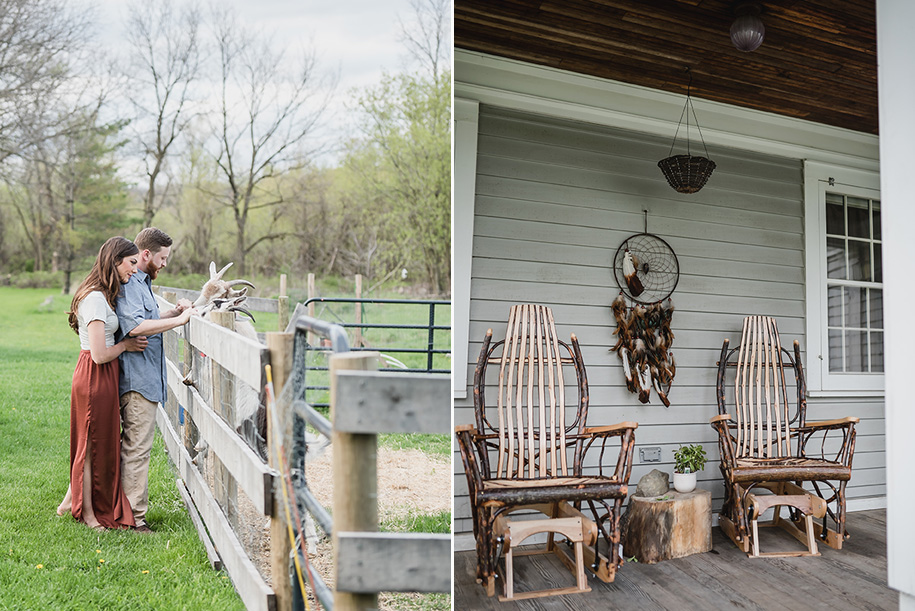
[527,453]
[763,446]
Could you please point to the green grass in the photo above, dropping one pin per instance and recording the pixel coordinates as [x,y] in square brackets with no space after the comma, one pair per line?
[436,445]
[416,522]
[48,562]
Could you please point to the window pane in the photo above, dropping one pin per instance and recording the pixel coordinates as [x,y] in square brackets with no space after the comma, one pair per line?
[877,232]
[877,351]
[858,218]
[834,306]
[859,260]
[835,258]
[835,351]
[855,351]
[855,307]
[876,307]
[835,216]
[878,262]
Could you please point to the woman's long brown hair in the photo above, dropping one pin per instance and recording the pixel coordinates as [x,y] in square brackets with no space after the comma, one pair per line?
[103,276]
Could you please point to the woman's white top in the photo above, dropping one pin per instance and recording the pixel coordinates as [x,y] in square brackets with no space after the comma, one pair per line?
[95,307]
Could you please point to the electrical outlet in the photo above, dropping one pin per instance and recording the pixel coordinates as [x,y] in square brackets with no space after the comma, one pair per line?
[652,454]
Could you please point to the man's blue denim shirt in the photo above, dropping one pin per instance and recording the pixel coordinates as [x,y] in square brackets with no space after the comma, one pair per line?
[143,372]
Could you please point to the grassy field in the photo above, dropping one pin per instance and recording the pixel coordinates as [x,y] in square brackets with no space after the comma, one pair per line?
[49,562]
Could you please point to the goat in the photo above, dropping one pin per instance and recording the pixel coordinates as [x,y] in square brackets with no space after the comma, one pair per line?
[250,421]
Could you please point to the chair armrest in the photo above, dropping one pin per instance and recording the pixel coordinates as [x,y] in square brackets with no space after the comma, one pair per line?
[846,450]
[468,442]
[828,424]
[725,439]
[619,427]
[626,432]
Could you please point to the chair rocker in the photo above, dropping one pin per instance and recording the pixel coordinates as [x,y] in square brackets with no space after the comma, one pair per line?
[764,447]
[527,453]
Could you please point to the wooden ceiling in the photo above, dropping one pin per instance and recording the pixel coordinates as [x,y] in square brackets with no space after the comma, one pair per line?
[818,61]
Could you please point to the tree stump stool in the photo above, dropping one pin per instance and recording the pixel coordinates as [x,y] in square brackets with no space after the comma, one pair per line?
[672,525]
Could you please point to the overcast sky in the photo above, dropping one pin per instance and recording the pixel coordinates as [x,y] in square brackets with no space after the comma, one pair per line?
[357,38]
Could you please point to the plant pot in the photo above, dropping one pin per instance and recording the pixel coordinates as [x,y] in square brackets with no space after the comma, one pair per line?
[684,482]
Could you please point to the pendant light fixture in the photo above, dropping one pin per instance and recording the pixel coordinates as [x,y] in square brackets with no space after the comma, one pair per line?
[747,31]
[687,173]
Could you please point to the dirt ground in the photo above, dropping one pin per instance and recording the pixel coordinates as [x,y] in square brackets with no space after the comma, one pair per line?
[409,482]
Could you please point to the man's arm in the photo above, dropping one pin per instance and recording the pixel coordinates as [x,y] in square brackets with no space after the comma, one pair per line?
[160,325]
[183,304]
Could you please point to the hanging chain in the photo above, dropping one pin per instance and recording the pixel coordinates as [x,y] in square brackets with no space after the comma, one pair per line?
[687,105]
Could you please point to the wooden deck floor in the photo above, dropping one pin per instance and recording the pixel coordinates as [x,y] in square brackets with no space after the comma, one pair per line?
[725,578]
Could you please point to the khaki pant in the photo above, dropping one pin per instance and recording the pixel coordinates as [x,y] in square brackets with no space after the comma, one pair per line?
[138,422]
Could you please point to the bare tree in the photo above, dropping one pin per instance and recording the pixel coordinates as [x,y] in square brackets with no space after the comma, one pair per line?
[427,39]
[49,101]
[164,65]
[269,109]
[39,42]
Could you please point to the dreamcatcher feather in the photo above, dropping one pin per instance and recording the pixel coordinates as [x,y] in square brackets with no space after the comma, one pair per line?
[644,339]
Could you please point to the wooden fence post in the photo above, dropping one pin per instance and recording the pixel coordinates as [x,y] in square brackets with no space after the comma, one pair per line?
[282,306]
[357,339]
[280,346]
[311,306]
[355,506]
[226,492]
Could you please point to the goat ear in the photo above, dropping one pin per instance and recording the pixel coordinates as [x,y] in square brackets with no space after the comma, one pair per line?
[212,269]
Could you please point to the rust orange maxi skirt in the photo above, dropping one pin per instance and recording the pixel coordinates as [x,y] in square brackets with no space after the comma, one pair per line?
[95,412]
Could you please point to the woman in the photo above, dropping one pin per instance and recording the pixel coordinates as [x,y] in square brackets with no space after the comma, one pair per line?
[95,424]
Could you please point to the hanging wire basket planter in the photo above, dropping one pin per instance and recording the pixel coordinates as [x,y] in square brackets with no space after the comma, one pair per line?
[687,173]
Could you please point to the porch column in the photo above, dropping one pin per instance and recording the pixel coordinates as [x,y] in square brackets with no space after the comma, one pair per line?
[463,196]
[896,84]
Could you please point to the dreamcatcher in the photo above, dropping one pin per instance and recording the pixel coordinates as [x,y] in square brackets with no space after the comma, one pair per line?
[647,272]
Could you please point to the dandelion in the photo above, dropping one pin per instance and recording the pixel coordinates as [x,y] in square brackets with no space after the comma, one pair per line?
[39,566]
[101,560]
[98,551]
[145,572]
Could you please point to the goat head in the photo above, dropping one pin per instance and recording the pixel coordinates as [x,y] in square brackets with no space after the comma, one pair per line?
[217,288]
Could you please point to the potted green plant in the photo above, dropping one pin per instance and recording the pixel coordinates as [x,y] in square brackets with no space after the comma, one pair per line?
[689,460]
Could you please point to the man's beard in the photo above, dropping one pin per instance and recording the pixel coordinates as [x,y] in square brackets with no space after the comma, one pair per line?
[151,270]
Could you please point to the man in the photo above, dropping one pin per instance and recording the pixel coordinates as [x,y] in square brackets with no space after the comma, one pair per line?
[142,381]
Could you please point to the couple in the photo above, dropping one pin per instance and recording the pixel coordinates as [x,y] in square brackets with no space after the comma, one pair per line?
[119,379]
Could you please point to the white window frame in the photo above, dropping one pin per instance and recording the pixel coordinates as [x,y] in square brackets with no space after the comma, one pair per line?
[818,178]
[464,187]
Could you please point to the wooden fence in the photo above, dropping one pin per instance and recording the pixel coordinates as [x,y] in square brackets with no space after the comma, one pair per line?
[235,357]
[364,402]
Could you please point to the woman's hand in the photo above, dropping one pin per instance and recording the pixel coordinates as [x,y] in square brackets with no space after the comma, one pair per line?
[135,344]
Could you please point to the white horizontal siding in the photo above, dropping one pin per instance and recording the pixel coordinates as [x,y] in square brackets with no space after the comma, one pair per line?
[556,198]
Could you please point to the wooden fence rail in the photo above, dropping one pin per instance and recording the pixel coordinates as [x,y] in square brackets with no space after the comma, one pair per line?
[242,359]
[365,402]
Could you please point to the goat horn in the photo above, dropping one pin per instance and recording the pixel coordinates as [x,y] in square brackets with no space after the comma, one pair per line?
[243,310]
[237,282]
[223,270]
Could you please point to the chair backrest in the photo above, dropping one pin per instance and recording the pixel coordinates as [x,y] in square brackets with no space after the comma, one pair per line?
[529,419]
[762,405]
